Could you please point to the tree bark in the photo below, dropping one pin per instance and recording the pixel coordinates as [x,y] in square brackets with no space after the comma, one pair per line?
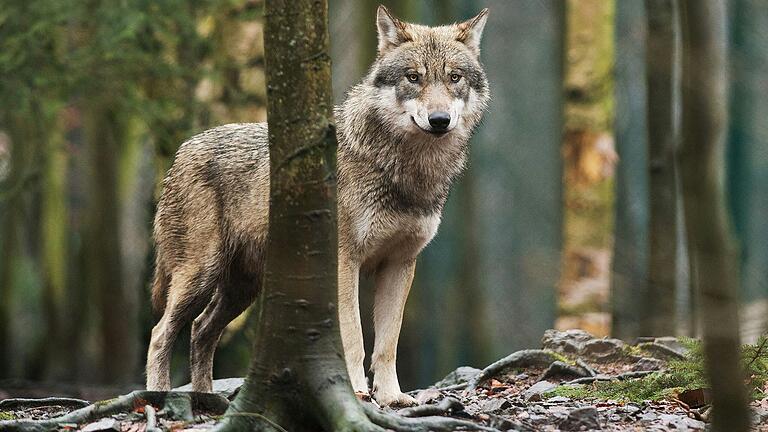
[630,258]
[748,144]
[712,253]
[104,131]
[658,311]
[298,378]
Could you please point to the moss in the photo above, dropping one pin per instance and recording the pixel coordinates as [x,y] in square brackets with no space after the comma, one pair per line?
[679,375]
[7,415]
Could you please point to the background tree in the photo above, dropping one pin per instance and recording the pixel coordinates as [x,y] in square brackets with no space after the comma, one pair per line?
[630,251]
[713,256]
[657,311]
[747,168]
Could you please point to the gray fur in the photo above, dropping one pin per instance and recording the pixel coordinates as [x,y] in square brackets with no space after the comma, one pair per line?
[394,176]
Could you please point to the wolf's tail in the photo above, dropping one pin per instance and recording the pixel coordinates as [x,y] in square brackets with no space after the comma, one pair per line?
[160,290]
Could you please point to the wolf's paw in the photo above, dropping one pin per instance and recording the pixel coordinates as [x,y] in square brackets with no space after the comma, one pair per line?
[394,399]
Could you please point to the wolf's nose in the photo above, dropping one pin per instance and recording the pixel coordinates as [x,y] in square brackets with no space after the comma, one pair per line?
[439,120]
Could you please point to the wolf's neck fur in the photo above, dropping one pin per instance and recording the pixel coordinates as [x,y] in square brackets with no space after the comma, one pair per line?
[413,170]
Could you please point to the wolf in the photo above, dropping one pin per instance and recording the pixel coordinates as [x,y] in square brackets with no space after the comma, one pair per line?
[403,137]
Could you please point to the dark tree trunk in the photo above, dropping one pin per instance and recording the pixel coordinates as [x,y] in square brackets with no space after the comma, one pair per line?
[658,311]
[630,257]
[104,132]
[298,377]
[712,253]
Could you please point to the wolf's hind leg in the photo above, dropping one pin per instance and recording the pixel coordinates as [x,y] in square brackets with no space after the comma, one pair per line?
[206,332]
[349,323]
[393,282]
[183,303]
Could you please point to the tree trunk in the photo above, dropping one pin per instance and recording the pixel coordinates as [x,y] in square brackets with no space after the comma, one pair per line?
[54,238]
[519,216]
[298,378]
[658,311]
[630,257]
[712,252]
[104,132]
[747,165]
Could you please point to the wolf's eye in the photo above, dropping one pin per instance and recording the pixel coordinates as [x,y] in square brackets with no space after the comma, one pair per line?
[412,77]
[455,78]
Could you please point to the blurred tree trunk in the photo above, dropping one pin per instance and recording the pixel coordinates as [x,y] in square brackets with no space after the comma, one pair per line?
[105,131]
[629,285]
[12,216]
[54,247]
[747,161]
[298,378]
[658,317]
[520,213]
[712,253]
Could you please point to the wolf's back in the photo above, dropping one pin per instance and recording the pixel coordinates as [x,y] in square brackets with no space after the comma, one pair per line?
[216,177]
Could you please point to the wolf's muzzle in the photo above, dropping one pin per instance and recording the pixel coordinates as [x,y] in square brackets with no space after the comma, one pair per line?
[439,120]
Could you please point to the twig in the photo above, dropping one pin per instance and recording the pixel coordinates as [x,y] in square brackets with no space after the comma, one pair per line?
[758,352]
[151,415]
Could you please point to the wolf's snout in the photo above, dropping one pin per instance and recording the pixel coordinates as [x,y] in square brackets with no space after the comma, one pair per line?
[439,120]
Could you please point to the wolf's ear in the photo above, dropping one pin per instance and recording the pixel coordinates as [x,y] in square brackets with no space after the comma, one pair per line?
[471,31]
[392,31]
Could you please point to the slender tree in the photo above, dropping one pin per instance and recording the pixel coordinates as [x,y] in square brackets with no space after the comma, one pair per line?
[630,257]
[658,311]
[702,160]
[298,378]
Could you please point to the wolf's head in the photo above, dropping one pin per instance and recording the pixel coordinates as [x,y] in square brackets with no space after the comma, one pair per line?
[428,80]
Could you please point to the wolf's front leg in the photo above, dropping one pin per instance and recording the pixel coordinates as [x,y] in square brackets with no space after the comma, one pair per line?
[393,281]
[349,323]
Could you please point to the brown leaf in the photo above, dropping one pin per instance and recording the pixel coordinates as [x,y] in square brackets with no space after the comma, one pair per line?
[696,398]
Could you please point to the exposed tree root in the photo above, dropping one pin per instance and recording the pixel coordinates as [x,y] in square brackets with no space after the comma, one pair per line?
[445,406]
[519,359]
[207,402]
[600,377]
[421,424]
[21,403]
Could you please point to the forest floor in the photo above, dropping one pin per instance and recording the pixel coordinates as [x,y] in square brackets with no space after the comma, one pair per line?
[574,382]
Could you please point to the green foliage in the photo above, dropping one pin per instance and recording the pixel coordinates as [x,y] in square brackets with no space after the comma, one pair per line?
[7,415]
[680,375]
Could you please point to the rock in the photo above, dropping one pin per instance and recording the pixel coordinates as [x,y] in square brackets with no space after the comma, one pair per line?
[672,343]
[582,343]
[226,387]
[534,392]
[427,395]
[558,399]
[681,423]
[603,349]
[495,404]
[581,419]
[660,351]
[568,341]
[104,425]
[461,375]
[647,364]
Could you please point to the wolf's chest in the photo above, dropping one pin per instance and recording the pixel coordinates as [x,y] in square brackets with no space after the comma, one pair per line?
[381,234]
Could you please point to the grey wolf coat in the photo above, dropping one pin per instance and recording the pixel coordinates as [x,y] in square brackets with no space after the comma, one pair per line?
[402,134]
